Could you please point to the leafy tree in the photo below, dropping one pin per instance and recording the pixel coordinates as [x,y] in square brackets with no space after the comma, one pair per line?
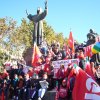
[60,38]
[3,26]
[7,26]
[21,38]
[49,33]
[66,40]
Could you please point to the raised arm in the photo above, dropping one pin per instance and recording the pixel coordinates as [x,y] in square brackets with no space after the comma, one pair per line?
[26,12]
[43,14]
[29,16]
[46,4]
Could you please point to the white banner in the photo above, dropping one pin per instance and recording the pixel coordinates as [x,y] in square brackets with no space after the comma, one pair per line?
[65,63]
[58,63]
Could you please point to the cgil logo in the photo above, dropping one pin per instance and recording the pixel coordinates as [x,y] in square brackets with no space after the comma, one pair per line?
[94,90]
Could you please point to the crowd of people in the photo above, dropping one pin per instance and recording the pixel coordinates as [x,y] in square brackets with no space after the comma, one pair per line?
[17,84]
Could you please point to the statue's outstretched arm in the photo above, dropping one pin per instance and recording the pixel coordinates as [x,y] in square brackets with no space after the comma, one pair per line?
[30,16]
[37,18]
[46,4]
[43,14]
[27,12]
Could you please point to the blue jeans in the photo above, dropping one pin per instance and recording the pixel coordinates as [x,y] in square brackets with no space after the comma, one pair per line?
[41,92]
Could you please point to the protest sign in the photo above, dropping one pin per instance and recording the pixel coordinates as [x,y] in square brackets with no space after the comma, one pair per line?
[65,63]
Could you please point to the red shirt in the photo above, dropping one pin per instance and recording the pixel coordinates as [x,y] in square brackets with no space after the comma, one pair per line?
[4,75]
[61,73]
[30,73]
[47,68]
[63,92]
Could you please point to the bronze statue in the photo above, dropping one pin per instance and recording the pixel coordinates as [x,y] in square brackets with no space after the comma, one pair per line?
[38,24]
[91,37]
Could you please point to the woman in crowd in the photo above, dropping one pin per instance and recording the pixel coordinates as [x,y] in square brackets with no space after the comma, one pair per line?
[44,85]
[62,93]
[60,74]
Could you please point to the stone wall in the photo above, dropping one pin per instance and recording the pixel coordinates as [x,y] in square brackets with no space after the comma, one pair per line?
[50,95]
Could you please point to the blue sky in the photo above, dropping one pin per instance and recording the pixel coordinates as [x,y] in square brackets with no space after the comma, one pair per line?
[63,15]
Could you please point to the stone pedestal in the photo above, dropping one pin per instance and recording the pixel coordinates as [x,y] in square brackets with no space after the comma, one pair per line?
[50,95]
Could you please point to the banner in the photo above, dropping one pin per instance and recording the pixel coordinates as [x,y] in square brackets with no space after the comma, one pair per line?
[58,63]
[85,88]
[65,63]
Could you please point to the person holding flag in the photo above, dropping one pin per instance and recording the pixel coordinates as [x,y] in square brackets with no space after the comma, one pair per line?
[85,87]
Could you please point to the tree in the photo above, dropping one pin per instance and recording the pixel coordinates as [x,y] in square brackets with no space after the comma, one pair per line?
[49,33]
[22,37]
[7,26]
[60,38]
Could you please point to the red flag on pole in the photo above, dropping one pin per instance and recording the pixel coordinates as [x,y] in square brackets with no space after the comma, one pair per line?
[36,55]
[88,51]
[71,41]
[85,88]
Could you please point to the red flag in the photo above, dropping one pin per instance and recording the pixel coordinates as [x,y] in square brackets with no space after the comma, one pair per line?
[88,51]
[71,41]
[88,69]
[85,88]
[36,55]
